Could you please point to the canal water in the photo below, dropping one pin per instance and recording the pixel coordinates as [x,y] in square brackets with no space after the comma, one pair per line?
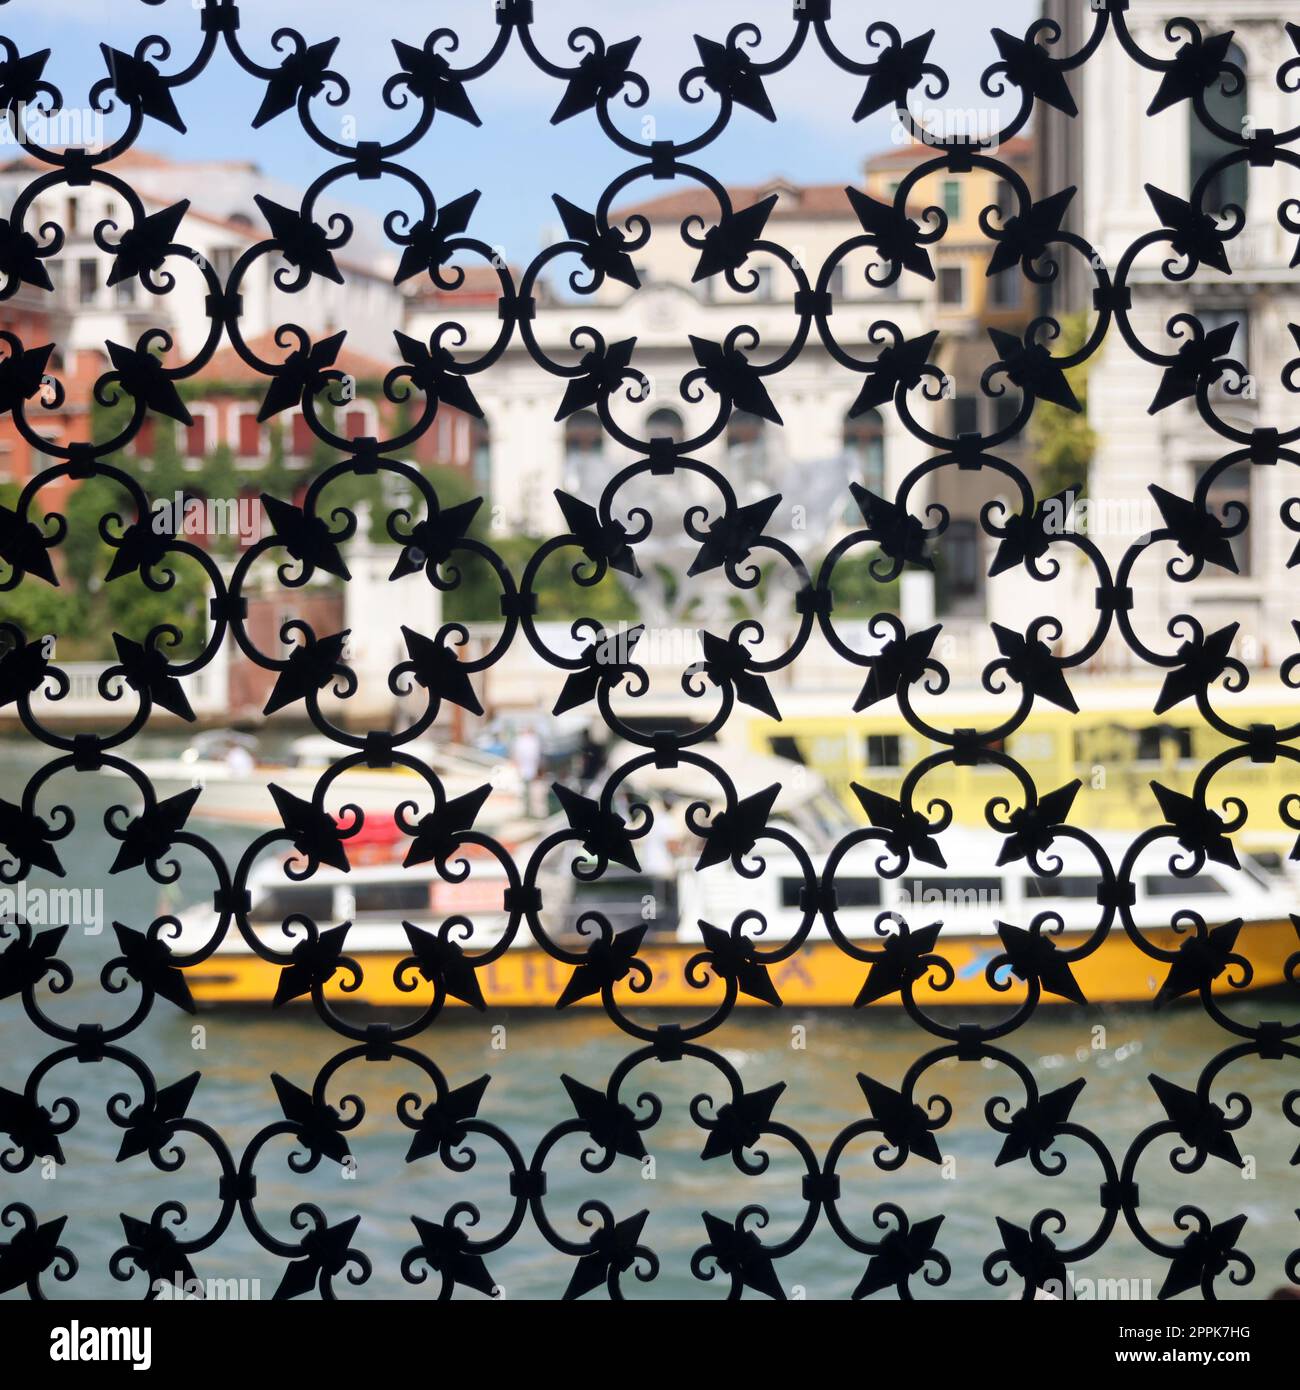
[817,1055]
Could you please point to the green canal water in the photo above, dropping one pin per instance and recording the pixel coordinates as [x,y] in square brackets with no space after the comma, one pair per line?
[817,1055]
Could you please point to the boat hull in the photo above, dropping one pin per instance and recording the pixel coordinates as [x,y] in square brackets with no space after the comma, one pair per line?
[819,975]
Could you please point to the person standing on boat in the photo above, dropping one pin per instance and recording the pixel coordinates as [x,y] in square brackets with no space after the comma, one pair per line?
[526,754]
[239,760]
[591,759]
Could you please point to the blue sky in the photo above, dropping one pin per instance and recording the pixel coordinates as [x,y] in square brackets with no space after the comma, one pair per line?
[517,159]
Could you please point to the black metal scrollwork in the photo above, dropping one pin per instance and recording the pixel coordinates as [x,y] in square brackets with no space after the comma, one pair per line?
[449,1117]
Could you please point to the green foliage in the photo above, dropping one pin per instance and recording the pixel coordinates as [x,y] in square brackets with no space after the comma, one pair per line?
[84,611]
[477,598]
[1062,440]
[36,607]
[858,593]
[129,606]
[559,598]
[274,475]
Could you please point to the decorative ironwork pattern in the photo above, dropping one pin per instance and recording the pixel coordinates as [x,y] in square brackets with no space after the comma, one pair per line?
[450,1118]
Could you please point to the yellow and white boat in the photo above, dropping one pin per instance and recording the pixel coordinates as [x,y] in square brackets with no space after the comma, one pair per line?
[971,897]
[235,781]
[1115,746]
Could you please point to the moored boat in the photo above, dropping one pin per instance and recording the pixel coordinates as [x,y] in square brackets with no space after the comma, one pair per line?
[980,907]
[234,780]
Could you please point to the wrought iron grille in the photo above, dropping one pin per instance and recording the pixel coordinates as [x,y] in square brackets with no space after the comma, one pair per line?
[748,1231]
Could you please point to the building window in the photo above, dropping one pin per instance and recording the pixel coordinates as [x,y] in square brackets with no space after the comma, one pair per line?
[142,446]
[763,291]
[965,415]
[480,455]
[87,281]
[665,423]
[124,293]
[355,424]
[1227,186]
[1220,318]
[196,437]
[1004,288]
[959,565]
[746,439]
[864,443]
[584,446]
[1227,495]
[583,435]
[1005,408]
[952,198]
[223,261]
[250,435]
[952,286]
[70,217]
[301,438]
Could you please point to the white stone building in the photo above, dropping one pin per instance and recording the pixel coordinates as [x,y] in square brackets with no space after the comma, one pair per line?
[810,458]
[1111,151]
[222,221]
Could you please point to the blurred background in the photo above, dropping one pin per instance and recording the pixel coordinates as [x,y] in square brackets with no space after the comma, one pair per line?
[513,450]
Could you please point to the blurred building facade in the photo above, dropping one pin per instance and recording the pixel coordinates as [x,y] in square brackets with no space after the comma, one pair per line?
[82,312]
[1110,163]
[810,458]
[966,301]
[518,453]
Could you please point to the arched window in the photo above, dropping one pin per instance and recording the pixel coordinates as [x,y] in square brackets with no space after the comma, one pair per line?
[1205,146]
[665,423]
[864,444]
[746,439]
[584,443]
[480,455]
[1228,495]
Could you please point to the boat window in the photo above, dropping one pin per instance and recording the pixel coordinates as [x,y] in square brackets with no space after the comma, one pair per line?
[625,901]
[1031,748]
[955,891]
[615,888]
[1153,739]
[883,750]
[832,816]
[850,891]
[782,746]
[392,896]
[1170,886]
[1063,886]
[314,900]
[1257,870]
